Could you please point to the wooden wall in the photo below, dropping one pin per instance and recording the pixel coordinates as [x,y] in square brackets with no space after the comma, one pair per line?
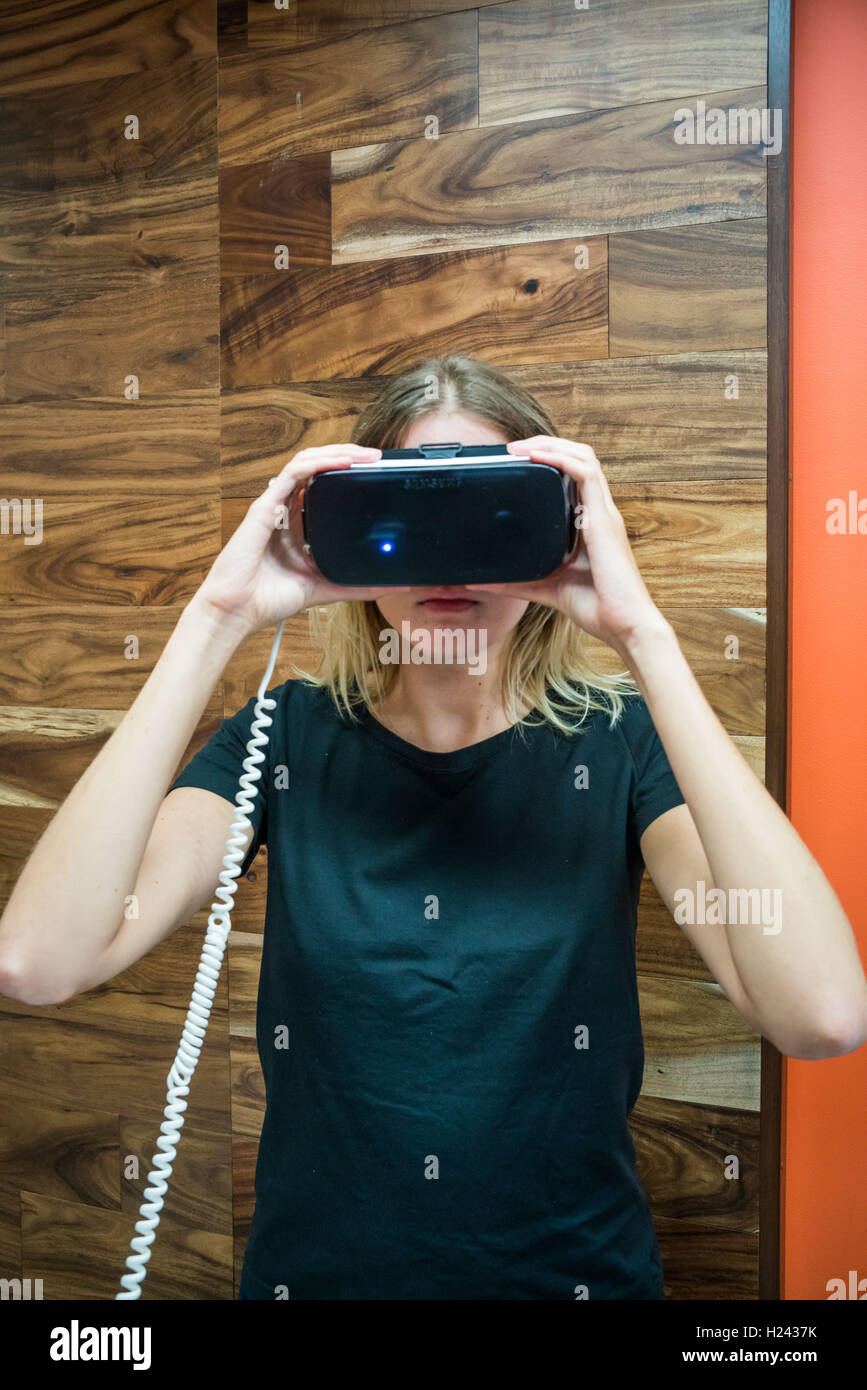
[159,258]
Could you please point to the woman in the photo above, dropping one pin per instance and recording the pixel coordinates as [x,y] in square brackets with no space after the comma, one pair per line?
[448,1016]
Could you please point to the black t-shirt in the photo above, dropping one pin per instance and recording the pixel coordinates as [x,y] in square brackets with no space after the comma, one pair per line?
[448,1019]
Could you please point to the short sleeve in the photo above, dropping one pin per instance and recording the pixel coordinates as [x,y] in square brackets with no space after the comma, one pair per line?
[218,765]
[654,787]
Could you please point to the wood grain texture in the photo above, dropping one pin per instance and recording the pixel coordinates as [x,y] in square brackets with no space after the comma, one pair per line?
[682,1154]
[279,202]
[59,1058]
[78,449]
[125,551]
[74,138]
[700,1262]
[649,419]
[156,257]
[59,1151]
[100,213]
[63,42]
[268,27]
[244,1154]
[201,1184]
[517,304]
[690,289]
[698,1048]
[725,648]
[80,1252]
[231,27]
[245,959]
[367,86]
[248,1089]
[698,543]
[550,58]
[20,828]
[149,235]
[569,176]
[77,657]
[164,333]
[44,751]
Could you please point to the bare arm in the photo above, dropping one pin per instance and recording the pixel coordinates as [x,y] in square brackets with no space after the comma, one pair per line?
[799,971]
[68,903]
[797,977]
[64,929]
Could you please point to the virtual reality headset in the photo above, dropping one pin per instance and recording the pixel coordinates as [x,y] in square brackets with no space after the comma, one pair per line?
[440,514]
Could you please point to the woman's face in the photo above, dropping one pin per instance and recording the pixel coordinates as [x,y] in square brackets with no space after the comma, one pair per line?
[451,605]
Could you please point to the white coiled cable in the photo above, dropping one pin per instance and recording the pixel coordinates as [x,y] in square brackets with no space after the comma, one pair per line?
[219,926]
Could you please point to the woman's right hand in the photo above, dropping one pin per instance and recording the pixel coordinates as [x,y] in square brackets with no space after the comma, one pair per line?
[263,574]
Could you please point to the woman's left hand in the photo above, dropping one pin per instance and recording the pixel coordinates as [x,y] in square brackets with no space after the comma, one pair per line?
[600,587]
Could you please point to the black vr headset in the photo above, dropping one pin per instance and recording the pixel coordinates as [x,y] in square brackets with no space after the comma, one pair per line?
[440,514]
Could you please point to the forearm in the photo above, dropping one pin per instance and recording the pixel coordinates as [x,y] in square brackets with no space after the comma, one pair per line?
[799,963]
[69,899]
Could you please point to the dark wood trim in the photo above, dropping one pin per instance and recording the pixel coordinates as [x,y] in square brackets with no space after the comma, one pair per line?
[777,650]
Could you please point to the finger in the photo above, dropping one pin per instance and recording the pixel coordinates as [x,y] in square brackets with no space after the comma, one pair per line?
[301,467]
[545,447]
[586,469]
[309,461]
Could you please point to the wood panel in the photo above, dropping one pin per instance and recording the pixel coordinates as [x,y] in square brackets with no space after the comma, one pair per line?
[684,1151]
[80,1252]
[201,1183]
[555,57]
[20,828]
[248,1089]
[725,649]
[649,419]
[515,304]
[63,42]
[367,86]
[163,332]
[129,449]
[308,129]
[698,543]
[319,20]
[698,1048]
[702,1263]
[575,176]
[57,745]
[136,552]
[53,144]
[59,1058]
[244,1153]
[81,656]
[279,202]
[689,289]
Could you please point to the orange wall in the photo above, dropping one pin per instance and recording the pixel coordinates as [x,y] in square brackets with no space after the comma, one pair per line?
[825,1103]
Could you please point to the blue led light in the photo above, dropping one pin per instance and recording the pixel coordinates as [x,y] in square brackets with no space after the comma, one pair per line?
[386,545]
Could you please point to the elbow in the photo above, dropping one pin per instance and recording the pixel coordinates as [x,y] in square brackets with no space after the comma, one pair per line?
[839,1035]
[17,983]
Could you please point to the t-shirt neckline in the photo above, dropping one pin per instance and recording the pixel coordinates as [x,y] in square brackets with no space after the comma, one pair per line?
[455,760]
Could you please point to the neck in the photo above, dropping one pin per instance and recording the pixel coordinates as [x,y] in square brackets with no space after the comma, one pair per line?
[445,707]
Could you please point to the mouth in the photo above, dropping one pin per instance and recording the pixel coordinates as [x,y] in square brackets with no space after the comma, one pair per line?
[447,603]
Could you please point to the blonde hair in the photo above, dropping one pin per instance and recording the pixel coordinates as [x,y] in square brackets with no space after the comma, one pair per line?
[545,663]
